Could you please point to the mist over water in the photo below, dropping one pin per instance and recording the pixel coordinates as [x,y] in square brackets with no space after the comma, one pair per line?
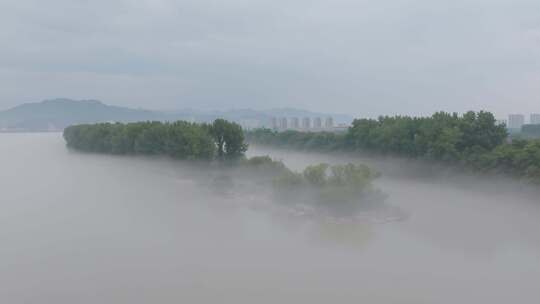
[84,228]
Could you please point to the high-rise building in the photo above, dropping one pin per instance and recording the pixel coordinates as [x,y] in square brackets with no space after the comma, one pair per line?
[274,123]
[283,123]
[516,121]
[295,123]
[317,123]
[306,123]
[329,123]
[535,119]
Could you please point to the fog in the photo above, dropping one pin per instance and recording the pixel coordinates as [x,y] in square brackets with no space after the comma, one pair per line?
[84,228]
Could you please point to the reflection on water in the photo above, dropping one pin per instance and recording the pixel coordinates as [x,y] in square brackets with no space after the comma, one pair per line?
[80,228]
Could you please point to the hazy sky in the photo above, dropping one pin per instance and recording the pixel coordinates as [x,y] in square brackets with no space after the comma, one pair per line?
[352,56]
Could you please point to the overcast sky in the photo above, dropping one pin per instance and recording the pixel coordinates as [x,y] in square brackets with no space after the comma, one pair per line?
[352,56]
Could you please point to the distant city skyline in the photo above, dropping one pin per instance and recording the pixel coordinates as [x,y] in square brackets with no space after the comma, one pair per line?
[316,123]
[533,117]
[516,121]
[499,116]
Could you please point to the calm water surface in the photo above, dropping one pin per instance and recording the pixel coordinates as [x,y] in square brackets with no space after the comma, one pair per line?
[81,228]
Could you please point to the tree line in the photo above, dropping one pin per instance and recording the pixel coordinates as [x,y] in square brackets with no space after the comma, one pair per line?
[473,140]
[181,140]
[531,131]
[320,141]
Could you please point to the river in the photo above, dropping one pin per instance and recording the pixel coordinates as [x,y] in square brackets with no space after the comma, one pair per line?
[83,228]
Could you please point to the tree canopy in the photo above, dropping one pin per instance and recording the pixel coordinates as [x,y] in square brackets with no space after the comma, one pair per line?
[473,139]
[180,139]
[229,139]
[345,188]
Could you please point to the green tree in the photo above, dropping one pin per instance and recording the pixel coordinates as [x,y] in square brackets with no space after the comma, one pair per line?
[316,174]
[229,139]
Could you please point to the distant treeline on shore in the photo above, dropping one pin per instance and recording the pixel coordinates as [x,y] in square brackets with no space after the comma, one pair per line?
[473,140]
[180,140]
[531,131]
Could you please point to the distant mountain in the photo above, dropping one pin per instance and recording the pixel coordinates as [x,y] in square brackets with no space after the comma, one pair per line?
[56,114]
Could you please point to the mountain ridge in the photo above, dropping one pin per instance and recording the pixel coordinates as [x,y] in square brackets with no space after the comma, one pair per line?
[56,114]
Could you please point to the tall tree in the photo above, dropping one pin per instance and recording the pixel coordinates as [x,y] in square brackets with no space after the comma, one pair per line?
[229,139]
